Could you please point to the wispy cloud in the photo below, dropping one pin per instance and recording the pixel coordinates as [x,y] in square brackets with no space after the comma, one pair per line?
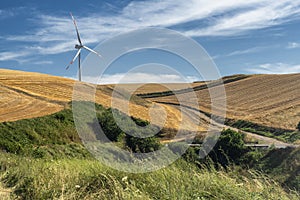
[260,15]
[293,45]
[247,51]
[14,11]
[22,57]
[43,62]
[6,14]
[139,77]
[244,51]
[231,17]
[4,56]
[275,68]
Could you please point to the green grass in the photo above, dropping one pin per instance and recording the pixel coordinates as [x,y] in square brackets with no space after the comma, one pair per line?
[283,166]
[51,136]
[43,158]
[276,133]
[224,80]
[89,179]
[56,135]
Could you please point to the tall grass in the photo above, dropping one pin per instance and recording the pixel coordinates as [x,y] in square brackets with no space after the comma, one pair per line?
[45,160]
[89,179]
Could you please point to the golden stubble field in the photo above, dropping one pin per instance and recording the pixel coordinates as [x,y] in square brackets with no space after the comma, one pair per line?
[157,87]
[27,95]
[271,100]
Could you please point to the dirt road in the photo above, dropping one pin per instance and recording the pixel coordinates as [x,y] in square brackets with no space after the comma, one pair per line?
[196,114]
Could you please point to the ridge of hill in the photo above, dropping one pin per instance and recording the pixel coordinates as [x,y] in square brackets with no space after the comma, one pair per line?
[50,147]
[269,100]
[266,100]
[27,95]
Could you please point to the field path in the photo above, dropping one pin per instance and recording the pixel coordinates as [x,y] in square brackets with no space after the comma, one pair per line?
[268,100]
[196,113]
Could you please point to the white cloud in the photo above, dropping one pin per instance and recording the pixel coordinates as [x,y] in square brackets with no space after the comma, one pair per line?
[6,14]
[139,78]
[43,62]
[276,68]
[293,45]
[246,51]
[264,14]
[4,56]
[56,34]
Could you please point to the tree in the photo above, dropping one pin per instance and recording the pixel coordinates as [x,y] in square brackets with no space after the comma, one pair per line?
[230,147]
[132,134]
[109,126]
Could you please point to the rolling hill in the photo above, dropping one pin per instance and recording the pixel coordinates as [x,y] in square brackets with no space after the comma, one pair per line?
[39,137]
[27,95]
[267,100]
[270,100]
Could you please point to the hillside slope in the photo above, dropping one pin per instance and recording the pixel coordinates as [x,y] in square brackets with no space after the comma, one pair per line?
[270,100]
[26,95]
[47,161]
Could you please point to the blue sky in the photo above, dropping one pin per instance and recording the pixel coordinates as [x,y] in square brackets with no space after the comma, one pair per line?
[253,36]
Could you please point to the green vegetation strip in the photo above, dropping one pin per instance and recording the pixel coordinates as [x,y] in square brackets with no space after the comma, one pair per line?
[284,135]
[211,84]
[56,134]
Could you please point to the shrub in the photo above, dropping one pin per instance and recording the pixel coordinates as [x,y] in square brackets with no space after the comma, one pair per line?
[230,147]
[133,134]
[142,145]
[108,125]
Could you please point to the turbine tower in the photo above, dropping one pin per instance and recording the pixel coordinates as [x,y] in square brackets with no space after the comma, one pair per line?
[79,47]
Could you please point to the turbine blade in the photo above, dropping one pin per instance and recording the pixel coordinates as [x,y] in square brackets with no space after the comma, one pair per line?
[77,54]
[75,24]
[91,50]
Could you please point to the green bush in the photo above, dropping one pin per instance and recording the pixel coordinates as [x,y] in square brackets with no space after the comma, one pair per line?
[108,125]
[133,130]
[230,147]
[38,153]
[142,145]
[285,135]
[252,158]
[23,136]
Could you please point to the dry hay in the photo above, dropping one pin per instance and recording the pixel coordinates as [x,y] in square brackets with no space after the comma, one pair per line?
[28,95]
[272,100]
[157,87]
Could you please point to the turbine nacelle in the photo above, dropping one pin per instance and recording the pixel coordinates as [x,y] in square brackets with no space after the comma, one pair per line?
[78,46]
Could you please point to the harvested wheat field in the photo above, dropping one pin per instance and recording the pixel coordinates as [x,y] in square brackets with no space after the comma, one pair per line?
[157,87]
[28,95]
[271,100]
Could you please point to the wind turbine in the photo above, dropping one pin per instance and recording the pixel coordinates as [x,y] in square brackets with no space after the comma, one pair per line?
[79,47]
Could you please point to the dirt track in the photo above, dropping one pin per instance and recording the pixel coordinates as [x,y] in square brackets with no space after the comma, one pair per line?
[193,113]
[270,100]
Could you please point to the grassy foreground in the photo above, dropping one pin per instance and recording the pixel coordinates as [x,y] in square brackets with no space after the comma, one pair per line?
[88,179]
[43,158]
